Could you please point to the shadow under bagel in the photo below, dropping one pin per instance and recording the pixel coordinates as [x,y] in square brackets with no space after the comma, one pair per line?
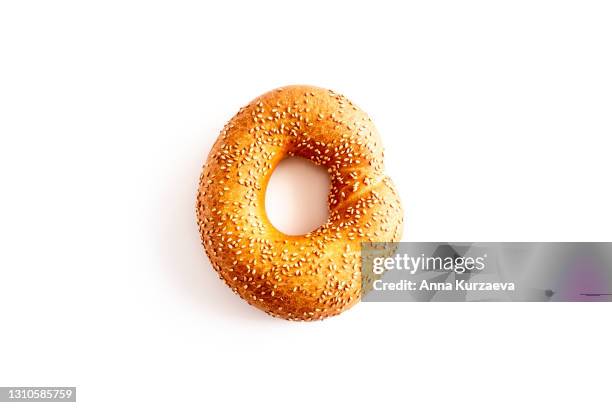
[187,268]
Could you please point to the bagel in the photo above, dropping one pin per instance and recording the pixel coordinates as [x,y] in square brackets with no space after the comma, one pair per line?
[311,276]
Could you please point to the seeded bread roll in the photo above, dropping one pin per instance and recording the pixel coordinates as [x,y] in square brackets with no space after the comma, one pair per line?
[311,276]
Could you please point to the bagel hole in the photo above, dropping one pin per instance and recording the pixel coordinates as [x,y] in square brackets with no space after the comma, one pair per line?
[296,196]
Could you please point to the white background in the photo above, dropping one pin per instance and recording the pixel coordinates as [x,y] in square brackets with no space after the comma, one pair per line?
[497,121]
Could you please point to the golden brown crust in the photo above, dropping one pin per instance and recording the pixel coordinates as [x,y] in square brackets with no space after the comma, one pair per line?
[311,276]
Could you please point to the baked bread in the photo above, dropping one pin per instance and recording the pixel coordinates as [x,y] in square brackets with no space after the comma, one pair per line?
[310,276]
